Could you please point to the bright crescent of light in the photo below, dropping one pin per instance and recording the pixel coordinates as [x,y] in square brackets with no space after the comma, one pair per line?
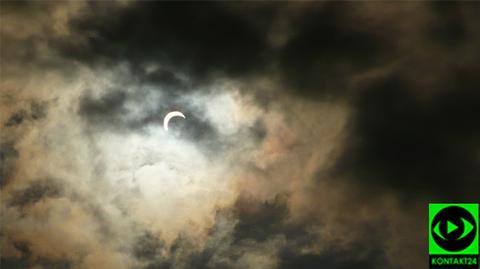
[169,116]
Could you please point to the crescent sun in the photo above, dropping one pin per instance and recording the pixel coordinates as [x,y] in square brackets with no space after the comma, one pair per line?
[169,116]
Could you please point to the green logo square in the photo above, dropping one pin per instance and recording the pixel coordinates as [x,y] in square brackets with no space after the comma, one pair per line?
[453,229]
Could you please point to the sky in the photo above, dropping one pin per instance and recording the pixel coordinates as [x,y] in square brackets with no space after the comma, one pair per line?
[316,133]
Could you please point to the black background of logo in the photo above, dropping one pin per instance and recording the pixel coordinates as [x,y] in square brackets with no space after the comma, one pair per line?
[454,214]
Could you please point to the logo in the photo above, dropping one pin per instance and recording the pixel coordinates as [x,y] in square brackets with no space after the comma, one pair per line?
[453,235]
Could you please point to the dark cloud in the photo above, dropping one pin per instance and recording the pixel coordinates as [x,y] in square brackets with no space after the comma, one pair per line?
[328,48]
[35,192]
[259,220]
[251,219]
[8,156]
[214,41]
[15,119]
[256,222]
[450,26]
[148,247]
[18,262]
[21,263]
[26,260]
[36,111]
[331,261]
[14,263]
[105,110]
[54,264]
[416,146]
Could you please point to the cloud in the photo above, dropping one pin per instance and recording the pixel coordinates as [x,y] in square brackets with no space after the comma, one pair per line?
[34,193]
[217,40]
[315,133]
[423,146]
[319,59]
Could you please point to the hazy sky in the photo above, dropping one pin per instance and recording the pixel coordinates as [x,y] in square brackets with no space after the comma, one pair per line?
[316,133]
